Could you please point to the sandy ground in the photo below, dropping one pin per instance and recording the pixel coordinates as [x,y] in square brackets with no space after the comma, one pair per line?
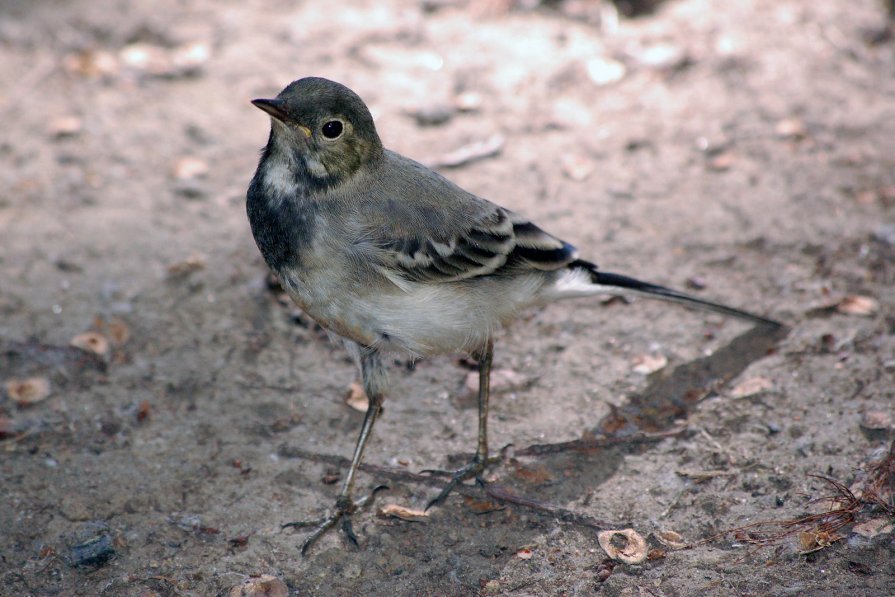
[742,149]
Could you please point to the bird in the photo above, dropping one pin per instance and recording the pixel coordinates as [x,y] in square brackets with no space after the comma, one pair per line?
[393,257]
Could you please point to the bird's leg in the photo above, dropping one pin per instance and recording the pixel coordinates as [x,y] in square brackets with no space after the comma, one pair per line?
[477,466]
[374,384]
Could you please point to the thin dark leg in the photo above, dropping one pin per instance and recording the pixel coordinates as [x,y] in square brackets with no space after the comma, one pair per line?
[374,383]
[480,460]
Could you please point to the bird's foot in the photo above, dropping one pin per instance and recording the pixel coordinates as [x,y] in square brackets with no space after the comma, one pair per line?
[475,468]
[341,512]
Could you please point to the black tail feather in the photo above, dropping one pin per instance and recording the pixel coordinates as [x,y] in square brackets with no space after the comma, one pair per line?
[656,291]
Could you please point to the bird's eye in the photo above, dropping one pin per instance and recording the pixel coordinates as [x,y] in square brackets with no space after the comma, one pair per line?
[332,129]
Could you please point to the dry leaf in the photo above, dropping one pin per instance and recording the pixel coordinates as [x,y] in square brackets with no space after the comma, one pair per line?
[158,61]
[633,551]
[863,306]
[751,387]
[191,264]
[189,58]
[722,161]
[188,168]
[468,101]
[91,63]
[661,56]
[671,539]
[501,380]
[28,391]
[264,585]
[535,475]
[144,409]
[65,126]
[481,506]
[396,511]
[815,540]
[146,57]
[356,398]
[91,342]
[118,331]
[647,363]
[791,128]
[577,166]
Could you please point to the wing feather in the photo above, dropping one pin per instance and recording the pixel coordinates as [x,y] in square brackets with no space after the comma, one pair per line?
[499,242]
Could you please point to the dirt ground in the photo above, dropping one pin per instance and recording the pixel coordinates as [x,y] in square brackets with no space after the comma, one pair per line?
[744,150]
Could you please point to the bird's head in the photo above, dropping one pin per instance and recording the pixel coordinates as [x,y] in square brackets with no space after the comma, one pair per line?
[323,129]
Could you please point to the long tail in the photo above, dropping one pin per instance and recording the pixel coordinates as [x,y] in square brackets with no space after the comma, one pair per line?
[611,280]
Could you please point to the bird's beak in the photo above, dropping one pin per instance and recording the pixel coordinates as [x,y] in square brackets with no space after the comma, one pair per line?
[274,107]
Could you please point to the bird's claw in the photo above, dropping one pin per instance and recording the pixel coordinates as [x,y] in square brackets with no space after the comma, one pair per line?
[475,468]
[342,511]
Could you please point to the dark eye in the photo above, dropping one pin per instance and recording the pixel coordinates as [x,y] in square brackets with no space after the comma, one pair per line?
[332,129]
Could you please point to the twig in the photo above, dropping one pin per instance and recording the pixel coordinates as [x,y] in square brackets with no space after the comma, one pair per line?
[584,445]
[493,491]
[503,494]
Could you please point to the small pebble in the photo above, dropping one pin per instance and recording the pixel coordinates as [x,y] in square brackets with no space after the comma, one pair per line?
[93,546]
[433,115]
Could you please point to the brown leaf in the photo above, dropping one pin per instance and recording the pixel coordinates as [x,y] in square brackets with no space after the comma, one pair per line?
[723,161]
[751,387]
[863,306]
[645,364]
[633,549]
[577,166]
[408,514]
[118,331]
[158,61]
[481,506]
[91,63]
[91,342]
[356,398]
[264,585]
[191,264]
[502,380]
[815,540]
[28,391]
[791,128]
[65,126]
[536,475]
[144,409]
[189,168]
[671,539]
